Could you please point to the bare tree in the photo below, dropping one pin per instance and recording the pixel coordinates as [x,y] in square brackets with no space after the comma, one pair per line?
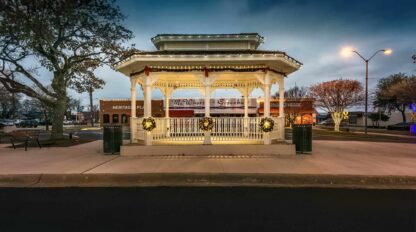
[294,93]
[89,85]
[336,96]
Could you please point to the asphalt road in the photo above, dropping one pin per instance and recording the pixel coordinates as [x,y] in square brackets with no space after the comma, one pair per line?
[206,209]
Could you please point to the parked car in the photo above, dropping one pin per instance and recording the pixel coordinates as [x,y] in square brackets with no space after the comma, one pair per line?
[27,123]
[404,126]
[330,122]
[9,122]
[68,122]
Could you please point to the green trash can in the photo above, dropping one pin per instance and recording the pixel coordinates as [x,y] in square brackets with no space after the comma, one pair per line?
[112,139]
[302,138]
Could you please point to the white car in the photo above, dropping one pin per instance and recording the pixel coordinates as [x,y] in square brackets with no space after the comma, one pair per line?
[8,122]
[68,122]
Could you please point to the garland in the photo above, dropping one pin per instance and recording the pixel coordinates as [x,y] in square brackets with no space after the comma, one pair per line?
[206,124]
[148,124]
[266,124]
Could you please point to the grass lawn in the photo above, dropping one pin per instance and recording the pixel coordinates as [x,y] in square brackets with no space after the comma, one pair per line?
[326,134]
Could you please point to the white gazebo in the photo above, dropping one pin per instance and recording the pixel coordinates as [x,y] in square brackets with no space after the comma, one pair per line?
[207,62]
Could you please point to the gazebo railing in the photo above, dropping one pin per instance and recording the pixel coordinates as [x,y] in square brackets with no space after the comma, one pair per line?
[225,129]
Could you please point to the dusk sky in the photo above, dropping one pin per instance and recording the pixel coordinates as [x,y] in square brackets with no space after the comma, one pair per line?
[313,32]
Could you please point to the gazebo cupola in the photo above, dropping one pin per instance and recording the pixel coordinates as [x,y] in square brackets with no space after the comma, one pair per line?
[207,62]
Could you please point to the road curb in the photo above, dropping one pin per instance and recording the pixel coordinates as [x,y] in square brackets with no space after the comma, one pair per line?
[208,180]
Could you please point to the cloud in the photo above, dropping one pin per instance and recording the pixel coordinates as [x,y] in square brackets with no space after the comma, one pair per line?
[311,31]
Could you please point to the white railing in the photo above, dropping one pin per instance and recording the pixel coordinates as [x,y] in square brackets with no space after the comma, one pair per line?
[137,132]
[278,130]
[225,129]
[233,128]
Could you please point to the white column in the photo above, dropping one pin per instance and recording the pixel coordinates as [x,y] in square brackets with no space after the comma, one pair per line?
[246,104]
[267,104]
[148,100]
[281,108]
[267,96]
[281,100]
[167,99]
[133,118]
[207,103]
[133,101]
[167,92]
[245,94]
[148,107]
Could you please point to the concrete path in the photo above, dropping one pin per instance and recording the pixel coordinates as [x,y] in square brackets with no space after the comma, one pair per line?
[329,158]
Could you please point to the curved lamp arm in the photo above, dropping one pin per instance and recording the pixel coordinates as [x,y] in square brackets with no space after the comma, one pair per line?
[371,57]
[375,53]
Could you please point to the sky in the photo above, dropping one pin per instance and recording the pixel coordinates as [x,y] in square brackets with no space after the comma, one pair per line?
[313,32]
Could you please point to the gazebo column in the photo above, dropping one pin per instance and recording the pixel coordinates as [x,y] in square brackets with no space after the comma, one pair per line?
[281,107]
[167,91]
[148,107]
[246,93]
[266,88]
[133,115]
[207,103]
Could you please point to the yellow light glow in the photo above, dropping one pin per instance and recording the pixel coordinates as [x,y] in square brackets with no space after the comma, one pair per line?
[148,124]
[346,51]
[388,52]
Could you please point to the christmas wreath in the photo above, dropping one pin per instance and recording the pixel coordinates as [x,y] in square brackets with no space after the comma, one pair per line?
[266,124]
[148,124]
[206,124]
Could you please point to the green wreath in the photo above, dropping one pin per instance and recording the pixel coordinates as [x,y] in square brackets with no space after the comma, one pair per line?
[206,124]
[266,124]
[148,124]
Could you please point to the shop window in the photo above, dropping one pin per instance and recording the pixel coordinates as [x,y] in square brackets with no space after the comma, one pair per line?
[106,118]
[115,118]
[124,119]
[352,119]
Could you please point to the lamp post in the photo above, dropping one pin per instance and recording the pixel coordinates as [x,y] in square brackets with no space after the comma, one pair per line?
[347,51]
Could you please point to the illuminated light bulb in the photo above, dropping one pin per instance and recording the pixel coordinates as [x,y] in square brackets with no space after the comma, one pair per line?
[346,51]
[388,52]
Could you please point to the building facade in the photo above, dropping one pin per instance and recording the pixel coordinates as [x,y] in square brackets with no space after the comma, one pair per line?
[118,111]
[300,111]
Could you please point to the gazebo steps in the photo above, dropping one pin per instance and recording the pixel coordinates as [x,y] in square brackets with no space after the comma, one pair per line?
[190,149]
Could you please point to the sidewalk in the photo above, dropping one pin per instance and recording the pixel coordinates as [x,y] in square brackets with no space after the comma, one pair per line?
[332,164]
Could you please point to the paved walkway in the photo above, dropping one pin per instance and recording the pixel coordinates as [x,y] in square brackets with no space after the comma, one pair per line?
[331,158]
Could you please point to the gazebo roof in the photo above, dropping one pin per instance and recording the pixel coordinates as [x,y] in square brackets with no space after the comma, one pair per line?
[252,38]
[216,52]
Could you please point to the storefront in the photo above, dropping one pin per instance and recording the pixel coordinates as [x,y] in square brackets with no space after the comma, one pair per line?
[297,111]
[219,107]
[118,111]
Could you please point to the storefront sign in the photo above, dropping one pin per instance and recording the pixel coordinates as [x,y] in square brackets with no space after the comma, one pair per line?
[216,103]
[126,107]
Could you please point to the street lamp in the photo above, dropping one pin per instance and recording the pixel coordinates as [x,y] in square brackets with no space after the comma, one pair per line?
[347,51]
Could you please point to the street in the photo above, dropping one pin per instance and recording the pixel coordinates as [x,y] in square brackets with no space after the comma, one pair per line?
[206,209]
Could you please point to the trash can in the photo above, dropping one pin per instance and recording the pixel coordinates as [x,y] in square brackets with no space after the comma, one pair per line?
[112,139]
[302,138]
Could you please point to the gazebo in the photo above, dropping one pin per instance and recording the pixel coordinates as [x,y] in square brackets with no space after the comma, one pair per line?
[207,62]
